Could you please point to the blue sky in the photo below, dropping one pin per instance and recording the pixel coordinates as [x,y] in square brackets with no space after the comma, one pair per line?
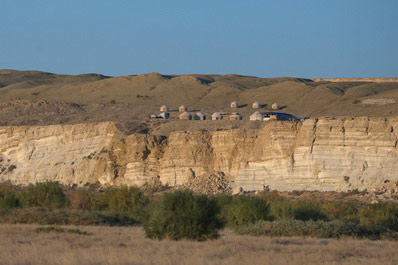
[303,38]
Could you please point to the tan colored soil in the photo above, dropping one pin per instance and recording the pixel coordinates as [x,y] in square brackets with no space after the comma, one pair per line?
[37,98]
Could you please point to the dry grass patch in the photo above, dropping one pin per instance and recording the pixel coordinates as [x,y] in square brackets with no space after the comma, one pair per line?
[20,244]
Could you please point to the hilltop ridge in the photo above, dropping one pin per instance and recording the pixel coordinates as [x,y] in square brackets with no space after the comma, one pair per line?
[40,98]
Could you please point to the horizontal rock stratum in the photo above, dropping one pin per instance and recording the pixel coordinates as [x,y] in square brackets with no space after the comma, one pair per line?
[318,154]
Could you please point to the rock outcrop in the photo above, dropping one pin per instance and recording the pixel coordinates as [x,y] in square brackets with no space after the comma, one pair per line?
[327,154]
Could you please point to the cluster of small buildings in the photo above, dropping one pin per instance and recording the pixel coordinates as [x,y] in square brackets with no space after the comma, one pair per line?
[233,116]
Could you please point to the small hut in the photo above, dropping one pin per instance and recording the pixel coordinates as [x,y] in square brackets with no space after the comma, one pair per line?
[164,108]
[275,106]
[256,116]
[256,105]
[164,115]
[216,116]
[235,117]
[185,116]
[199,116]
[183,108]
[234,104]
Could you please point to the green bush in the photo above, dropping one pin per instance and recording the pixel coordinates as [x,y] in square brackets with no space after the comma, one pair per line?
[380,214]
[182,214]
[320,229]
[126,200]
[9,201]
[8,198]
[339,210]
[308,210]
[46,216]
[223,201]
[281,209]
[245,210]
[46,194]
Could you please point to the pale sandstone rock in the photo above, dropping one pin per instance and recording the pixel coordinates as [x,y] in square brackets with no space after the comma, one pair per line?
[318,154]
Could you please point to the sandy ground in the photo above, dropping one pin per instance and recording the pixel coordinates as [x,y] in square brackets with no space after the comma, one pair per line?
[19,244]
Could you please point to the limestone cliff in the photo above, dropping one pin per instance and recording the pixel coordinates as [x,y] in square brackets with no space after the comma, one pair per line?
[317,154]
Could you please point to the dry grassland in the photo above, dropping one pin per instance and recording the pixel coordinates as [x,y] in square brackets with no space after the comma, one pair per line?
[19,244]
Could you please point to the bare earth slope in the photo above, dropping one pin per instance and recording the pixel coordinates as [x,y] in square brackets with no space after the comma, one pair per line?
[39,98]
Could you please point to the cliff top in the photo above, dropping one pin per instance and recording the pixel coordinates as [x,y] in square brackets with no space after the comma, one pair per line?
[39,98]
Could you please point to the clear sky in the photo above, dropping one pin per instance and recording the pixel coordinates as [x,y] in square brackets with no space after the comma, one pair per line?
[301,38]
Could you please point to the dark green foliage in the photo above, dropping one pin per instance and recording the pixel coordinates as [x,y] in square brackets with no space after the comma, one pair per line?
[308,210]
[281,209]
[126,200]
[245,210]
[185,215]
[320,229]
[223,201]
[182,214]
[9,201]
[46,216]
[380,214]
[8,198]
[47,194]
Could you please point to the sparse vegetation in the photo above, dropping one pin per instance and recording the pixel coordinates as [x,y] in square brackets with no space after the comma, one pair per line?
[46,216]
[58,229]
[183,214]
[320,229]
[129,245]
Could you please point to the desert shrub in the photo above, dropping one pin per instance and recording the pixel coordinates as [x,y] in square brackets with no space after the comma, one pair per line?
[81,199]
[9,201]
[8,198]
[307,210]
[223,201]
[126,200]
[339,210]
[380,214]
[245,210]
[46,194]
[320,229]
[46,216]
[182,214]
[281,209]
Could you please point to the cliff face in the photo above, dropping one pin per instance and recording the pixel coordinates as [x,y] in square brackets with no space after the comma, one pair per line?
[317,154]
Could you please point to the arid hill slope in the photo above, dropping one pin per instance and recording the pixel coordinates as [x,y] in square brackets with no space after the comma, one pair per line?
[39,98]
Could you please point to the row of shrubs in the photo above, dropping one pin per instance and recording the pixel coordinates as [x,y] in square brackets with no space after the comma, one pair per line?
[183,214]
[320,229]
